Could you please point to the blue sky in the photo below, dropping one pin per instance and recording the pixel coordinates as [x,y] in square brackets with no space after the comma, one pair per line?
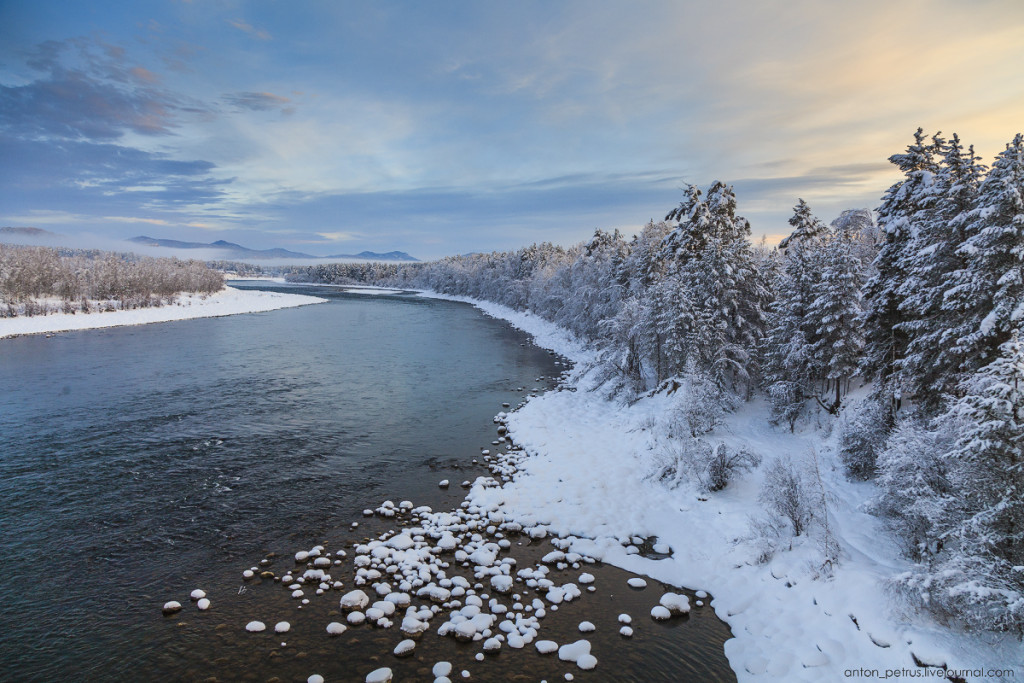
[448,127]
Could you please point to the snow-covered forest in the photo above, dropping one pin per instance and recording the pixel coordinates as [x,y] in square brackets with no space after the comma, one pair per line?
[41,280]
[919,302]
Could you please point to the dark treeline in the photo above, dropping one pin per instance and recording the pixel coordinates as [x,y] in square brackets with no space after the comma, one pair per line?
[40,280]
[925,305]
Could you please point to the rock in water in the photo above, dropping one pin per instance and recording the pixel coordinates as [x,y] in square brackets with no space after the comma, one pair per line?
[382,675]
[172,607]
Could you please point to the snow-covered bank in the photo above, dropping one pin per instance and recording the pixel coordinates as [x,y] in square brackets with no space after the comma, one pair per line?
[546,333]
[226,302]
[591,479]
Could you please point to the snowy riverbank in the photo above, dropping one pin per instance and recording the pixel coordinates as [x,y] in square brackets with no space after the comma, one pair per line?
[591,477]
[226,302]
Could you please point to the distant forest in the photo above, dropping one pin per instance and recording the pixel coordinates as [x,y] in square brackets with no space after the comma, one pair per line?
[41,280]
[922,300]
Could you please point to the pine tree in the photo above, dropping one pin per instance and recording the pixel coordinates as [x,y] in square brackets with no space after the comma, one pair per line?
[885,343]
[983,574]
[710,252]
[807,229]
[837,312]
[791,331]
[987,294]
[931,367]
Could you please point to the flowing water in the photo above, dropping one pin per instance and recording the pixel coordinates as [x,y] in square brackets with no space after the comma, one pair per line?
[138,463]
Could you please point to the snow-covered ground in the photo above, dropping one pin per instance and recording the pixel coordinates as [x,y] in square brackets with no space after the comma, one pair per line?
[226,302]
[590,477]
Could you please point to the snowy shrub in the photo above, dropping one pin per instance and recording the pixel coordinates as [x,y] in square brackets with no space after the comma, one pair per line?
[695,460]
[680,460]
[724,463]
[863,435]
[785,493]
[915,492]
[700,405]
[787,402]
[768,535]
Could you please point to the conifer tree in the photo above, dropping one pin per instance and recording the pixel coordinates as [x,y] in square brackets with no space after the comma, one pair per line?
[982,573]
[837,312]
[885,343]
[988,292]
[789,365]
[931,367]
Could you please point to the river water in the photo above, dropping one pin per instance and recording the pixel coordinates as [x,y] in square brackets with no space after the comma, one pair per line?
[138,463]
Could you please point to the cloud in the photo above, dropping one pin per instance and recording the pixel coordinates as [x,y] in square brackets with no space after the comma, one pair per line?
[245,26]
[88,92]
[83,176]
[259,101]
[337,236]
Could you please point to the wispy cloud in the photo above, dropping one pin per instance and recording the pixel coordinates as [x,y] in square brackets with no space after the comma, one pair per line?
[245,26]
[338,236]
[259,101]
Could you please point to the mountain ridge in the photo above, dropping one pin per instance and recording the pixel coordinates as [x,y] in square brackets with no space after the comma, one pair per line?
[237,251]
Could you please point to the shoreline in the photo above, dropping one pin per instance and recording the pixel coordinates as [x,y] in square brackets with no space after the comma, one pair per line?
[591,458]
[229,301]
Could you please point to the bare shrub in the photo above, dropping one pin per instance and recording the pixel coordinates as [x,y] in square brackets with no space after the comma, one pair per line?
[785,493]
[724,464]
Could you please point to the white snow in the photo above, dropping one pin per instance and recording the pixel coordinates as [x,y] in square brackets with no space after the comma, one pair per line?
[636,582]
[356,599]
[189,306]
[578,652]
[382,675]
[591,460]
[255,627]
[335,628]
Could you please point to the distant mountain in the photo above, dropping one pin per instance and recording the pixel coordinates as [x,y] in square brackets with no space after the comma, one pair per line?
[230,249]
[374,256]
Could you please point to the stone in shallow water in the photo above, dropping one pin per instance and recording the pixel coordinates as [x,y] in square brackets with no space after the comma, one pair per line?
[197,594]
[255,627]
[382,675]
[203,604]
[660,613]
[356,599]
[172,607]
[335,628]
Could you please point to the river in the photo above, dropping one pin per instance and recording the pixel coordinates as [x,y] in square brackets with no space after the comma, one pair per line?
[138,463]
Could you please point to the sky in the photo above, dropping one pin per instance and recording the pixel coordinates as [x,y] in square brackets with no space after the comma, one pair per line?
[449,127]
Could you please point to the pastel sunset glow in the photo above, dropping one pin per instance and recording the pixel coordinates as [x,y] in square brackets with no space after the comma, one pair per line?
[446,128]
